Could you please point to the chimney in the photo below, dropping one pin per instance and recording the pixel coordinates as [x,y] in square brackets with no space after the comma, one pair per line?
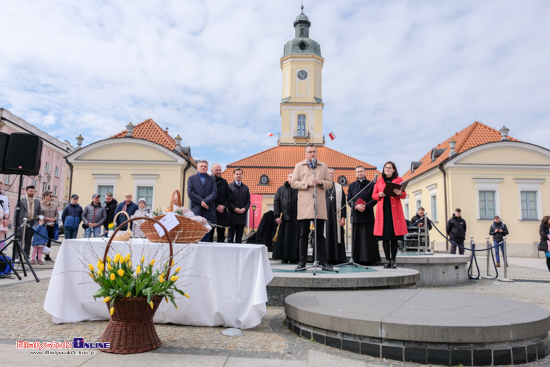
[452,144]
[130,128]
[504,133]
[178,142]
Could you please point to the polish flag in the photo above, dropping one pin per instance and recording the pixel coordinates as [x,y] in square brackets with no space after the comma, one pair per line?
[332,135]
[270,134]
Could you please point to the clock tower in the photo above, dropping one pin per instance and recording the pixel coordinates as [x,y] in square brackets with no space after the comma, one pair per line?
[302,98]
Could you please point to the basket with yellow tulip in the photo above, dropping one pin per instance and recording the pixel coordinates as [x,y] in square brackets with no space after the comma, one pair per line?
[132,295]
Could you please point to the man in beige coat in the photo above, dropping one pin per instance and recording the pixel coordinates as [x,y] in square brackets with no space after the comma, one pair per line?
[302,180]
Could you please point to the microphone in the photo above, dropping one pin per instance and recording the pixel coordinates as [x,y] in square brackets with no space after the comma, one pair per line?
[314,162]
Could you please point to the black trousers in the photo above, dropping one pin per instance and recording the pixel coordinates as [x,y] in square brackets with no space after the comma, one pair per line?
[390,249]
[460,249]
[220,231]
[321,241]
[236,233]
[27,241]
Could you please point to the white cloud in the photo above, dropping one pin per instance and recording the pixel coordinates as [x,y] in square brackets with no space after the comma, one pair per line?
[399,77]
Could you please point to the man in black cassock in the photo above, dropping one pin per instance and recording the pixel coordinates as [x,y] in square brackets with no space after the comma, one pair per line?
[365,247]
[286,200]
[221,204]
[336,245]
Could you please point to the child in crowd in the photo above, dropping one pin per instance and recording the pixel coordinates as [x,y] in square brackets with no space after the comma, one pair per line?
[39,240]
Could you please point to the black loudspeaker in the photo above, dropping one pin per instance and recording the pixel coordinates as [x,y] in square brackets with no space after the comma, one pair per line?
[4,142]
[24,154]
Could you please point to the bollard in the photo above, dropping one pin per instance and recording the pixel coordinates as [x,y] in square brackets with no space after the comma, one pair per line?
[505,257]
[473,247]
[488,244]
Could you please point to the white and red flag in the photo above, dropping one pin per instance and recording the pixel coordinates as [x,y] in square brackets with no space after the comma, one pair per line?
[332,135]
[270,134]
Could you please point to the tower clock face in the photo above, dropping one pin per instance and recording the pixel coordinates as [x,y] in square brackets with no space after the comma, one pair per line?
[302,74]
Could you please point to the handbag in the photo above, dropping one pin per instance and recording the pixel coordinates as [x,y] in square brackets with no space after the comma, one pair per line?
[547,253]
[85,226]
[56,231]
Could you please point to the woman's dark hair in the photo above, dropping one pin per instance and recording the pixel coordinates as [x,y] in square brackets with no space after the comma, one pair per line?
[545,220]
[395,174]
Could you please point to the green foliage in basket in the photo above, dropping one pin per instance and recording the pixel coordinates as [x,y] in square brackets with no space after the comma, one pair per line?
[120,279]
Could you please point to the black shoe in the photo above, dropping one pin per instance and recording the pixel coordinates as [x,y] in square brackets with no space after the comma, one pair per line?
[387,264]
[300,267]
[393,266]
[326,266]
[47,258]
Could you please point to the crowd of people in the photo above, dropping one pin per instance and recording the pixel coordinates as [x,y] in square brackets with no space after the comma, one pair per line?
[300,201]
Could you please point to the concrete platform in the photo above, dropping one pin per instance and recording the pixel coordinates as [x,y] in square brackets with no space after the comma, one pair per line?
[423,326]
[286,281]
[436,269]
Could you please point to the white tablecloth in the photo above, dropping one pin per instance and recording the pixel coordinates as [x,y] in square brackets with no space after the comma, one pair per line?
[226,282]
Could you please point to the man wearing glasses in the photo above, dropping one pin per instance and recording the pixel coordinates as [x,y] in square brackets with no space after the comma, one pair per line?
[303,181]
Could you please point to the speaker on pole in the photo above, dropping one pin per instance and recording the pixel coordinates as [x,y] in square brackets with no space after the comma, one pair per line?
[24,154]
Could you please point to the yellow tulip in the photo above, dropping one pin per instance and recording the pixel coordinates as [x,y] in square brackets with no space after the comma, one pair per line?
[100,273]
[151,303]
[101,266]
[174,278]
[111,225]
[92,276]
[113,276]
[176,308]
[112,310]
[99,262]
[177,270]
[172,262]
[138,269]
[166,299]
[186,295]
[130,263]
[117,258]
[120,272]
[122,260]
[91,267]
[128,295]
[108,259]
[161,278]
[109,266]
[127,257]
[152,262]
[107,299]
[142,258]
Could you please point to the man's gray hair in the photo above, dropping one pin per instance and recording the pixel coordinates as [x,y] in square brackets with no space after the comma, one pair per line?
[202,161]
[109,194]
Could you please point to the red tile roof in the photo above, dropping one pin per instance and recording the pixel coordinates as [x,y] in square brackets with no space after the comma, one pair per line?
[277,162]
[150,130]
[474,135]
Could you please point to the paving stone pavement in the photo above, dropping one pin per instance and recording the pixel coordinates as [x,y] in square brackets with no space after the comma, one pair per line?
[22,317]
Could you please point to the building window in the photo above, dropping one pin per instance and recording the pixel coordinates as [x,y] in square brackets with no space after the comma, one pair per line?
[146,192]
[433,207]
[102,190]
[529,205]
[7,179]
[487,209]
[57,171]
[301,125]
[406,210]
[68,173]
[530,200]
[47,167]
[488,197]
[34,182]
[66,191]
[55,191]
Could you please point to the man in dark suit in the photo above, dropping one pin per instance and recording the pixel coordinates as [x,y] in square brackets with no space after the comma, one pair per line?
[238,207]
[365,246]
[30,209]
[222,204]
[203,191]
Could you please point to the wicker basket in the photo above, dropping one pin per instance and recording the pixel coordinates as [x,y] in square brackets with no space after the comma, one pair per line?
[187,231]
[131,328]
[123,235]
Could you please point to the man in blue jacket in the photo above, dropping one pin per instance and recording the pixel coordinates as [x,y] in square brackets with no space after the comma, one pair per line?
[71,217]
[127,206]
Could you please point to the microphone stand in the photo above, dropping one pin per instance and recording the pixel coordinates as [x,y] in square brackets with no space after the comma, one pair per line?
[350,203]
[315,262]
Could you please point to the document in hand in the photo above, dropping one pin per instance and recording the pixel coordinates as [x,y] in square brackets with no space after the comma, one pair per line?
[390,186]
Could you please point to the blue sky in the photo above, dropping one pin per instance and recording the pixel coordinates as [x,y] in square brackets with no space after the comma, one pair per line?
[399,76]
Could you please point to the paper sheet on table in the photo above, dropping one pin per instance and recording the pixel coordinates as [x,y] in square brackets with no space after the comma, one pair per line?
[169,221]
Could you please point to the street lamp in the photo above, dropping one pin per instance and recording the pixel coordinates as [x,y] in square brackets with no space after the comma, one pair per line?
[45,183]
[253,214]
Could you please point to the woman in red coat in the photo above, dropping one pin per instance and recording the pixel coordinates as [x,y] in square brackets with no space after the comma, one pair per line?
[390,224]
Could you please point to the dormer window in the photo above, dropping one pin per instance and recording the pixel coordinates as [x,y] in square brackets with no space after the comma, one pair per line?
[415,165]
[436,153]
[264,181]
[342,180]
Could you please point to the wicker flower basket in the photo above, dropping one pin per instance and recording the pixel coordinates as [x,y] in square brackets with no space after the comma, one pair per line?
[131,328]
[123,235]
[187,231]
